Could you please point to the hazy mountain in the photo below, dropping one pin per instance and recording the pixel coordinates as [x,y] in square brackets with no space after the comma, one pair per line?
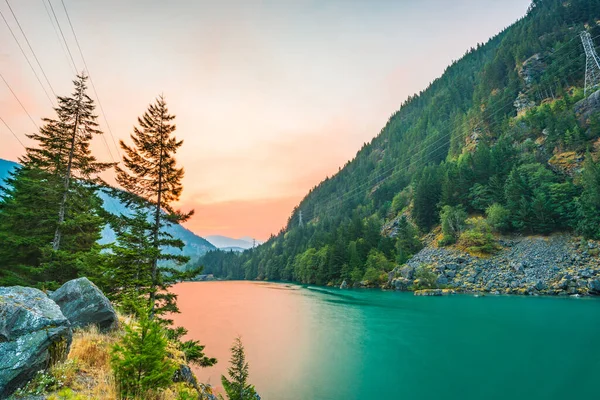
[5,168]
[195,246]
[224,242]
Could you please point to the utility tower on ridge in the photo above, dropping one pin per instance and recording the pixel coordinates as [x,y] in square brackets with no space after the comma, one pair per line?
[592,62]
[300,222]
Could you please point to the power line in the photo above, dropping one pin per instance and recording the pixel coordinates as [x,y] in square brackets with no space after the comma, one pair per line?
[27,58]
[22,106]
[30,48]
[62,34]
[13,133]
[62,46]
[91,81]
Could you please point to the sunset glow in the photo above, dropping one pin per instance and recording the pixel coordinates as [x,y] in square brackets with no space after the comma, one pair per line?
[270,97]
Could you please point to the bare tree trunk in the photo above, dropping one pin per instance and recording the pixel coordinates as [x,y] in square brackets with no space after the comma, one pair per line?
[157,223]
[63,202]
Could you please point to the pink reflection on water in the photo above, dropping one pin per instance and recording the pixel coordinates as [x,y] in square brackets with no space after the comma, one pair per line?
[270,318]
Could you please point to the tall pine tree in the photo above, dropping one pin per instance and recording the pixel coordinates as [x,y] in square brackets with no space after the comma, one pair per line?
[49,209]
[150,174]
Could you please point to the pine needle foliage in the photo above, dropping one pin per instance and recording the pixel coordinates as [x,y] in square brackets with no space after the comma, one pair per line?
[237,386]
[49,208]
[140,360]
[153,181]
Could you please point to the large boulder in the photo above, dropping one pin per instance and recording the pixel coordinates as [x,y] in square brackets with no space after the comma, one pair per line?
[34,333]
[84,304]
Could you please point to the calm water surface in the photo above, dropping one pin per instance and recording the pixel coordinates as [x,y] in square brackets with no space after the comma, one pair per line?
[321,343]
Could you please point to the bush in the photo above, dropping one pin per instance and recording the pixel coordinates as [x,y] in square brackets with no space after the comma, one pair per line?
[479,239]
[140,360]
[498,217]
[375,276]
[453,222]
[426,277]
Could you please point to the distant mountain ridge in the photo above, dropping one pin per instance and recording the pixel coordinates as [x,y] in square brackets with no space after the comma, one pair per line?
[227,243]
[194,245]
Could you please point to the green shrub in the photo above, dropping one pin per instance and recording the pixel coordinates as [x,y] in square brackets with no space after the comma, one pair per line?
[374,276]
[426,277]
[498,217]
[140,360]
[453,222]
[479,239]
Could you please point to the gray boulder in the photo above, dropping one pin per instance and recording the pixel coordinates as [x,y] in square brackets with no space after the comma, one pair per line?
[34,333]
[407,272]
[594,286]
[84,304]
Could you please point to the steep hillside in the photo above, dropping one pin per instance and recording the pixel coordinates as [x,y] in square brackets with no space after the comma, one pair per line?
[502,133]
[195,246]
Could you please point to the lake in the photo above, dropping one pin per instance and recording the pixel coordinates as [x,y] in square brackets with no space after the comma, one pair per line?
[305,342]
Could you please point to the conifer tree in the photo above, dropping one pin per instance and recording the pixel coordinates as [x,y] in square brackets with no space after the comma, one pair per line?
[49,209]
[140,360]
[150,174]
[237,386]
[64,147]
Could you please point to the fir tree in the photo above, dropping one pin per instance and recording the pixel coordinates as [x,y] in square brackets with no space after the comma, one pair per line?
[237,386]
[140,360]
[49,209]
[154,180]
[64,147]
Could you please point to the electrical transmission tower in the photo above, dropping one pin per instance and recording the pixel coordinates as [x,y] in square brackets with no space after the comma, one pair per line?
[592,63]
[300,222]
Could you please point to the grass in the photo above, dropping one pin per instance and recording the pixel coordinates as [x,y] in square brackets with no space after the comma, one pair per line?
[86,372]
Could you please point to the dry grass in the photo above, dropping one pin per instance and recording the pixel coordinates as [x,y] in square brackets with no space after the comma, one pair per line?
[91,349]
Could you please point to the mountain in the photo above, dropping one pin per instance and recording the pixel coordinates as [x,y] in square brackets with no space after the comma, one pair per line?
[501,138]
[195,246]
[221,242]
[6,167]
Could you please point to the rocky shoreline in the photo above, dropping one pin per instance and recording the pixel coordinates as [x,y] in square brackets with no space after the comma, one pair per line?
[560,264]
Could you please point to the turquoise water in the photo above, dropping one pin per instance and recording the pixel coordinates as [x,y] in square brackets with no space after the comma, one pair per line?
[321,343]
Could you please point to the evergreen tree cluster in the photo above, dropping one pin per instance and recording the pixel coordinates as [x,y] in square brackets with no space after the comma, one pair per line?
[51,217]
[461,147]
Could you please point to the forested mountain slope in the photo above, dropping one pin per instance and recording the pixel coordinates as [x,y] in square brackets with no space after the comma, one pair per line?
[503,133]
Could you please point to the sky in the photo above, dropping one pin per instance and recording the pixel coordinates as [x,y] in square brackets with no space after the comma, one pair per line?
[270,97]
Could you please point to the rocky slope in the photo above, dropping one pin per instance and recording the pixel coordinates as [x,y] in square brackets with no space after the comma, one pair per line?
[560,264]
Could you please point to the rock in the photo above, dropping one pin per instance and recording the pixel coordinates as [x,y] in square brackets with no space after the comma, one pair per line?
[563,283]
[594,286]
[588,106]
[540,285]
[586,273]
[344,285]
[407,272]
[34,333]
[442,280]
[185,374]
[451,266]
[400,284]
[429,292]
[84,304]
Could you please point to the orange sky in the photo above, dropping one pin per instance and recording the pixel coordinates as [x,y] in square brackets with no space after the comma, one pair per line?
[270,97]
